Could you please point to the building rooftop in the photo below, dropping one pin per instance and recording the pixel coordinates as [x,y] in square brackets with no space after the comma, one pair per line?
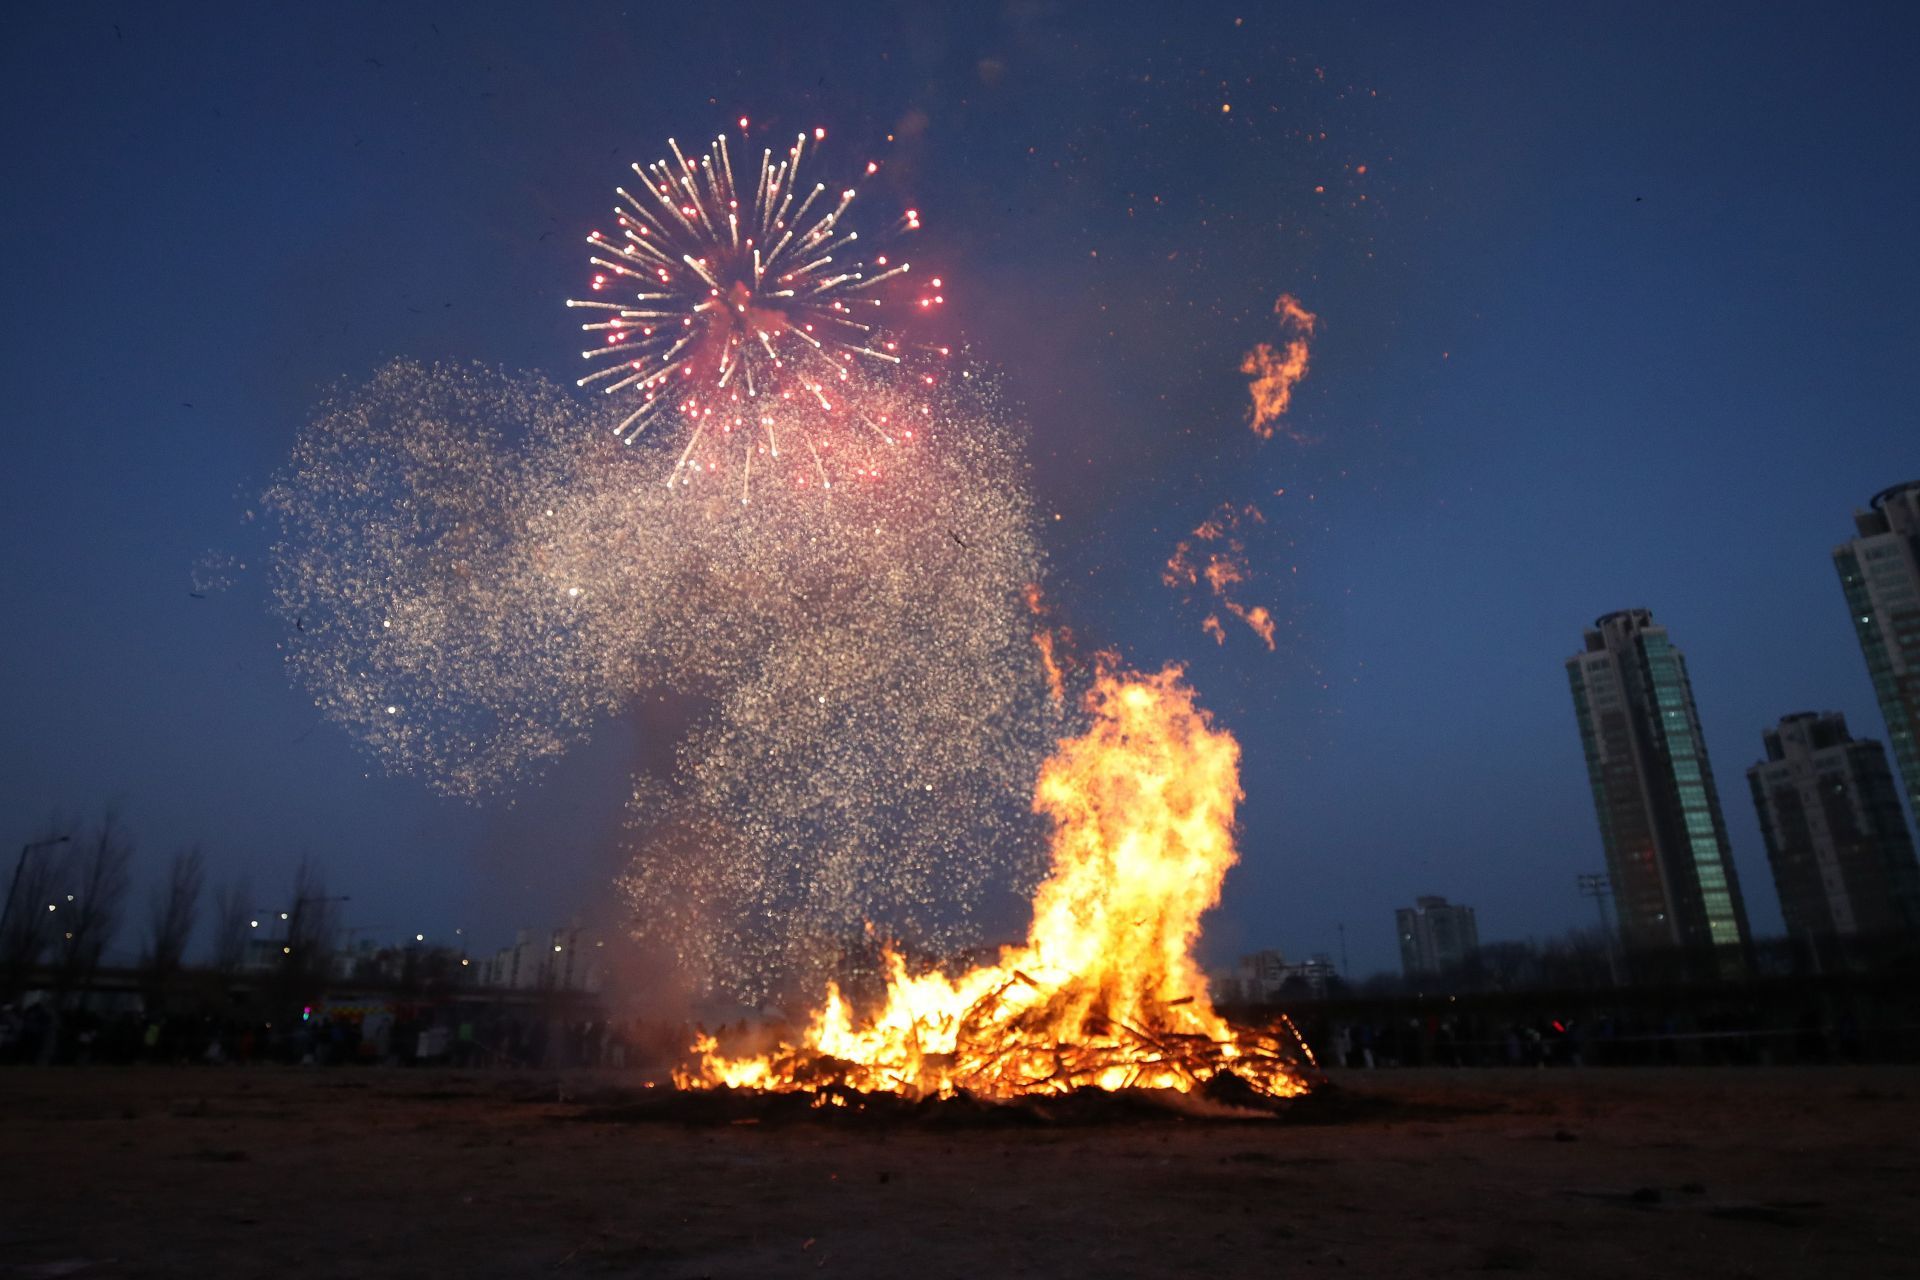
[1879,499]
[1642,617]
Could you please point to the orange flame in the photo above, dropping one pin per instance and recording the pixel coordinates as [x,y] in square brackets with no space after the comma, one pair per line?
[1056,679]
[1055,644]
[1105,990]
[1257,618]
[1272,374]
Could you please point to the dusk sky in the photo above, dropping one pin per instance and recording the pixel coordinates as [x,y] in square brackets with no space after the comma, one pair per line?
[1619,313]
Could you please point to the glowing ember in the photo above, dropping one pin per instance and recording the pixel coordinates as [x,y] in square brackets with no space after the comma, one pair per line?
[1222,569]
[1105,991]
[1273,372]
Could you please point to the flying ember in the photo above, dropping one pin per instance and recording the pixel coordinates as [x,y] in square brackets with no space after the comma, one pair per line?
[1272,374]
[716,297]
[1105,992]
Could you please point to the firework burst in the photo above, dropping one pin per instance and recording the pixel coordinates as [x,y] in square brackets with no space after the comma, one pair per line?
[739,309]
[474,576]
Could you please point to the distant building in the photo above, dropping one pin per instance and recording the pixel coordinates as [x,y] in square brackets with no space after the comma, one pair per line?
[1436,937]
[263,955]
[1265,976]
[349,962]
[1830,811]
[1880,573]
[1666,843]
[565,959]
[1261,976]
[404,963]
[1311,977]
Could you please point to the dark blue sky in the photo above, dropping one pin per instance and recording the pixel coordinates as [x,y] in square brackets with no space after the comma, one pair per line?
[1624,318]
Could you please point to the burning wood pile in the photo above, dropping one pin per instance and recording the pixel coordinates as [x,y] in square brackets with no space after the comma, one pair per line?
[1105,992]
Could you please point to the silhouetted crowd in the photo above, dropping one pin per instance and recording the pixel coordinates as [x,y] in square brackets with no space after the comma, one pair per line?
[1434,1040]
[440,1036]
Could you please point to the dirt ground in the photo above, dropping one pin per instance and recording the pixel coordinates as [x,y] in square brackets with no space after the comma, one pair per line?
[288,1172]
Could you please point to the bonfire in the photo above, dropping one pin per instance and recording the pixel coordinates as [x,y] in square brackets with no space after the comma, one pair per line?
[1105,991]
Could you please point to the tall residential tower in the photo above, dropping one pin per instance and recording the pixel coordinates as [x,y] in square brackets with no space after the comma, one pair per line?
[1880,572]
[1837,842]
[1660,819]
[1436,937]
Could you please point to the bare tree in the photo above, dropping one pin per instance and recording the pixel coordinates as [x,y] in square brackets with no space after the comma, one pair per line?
[311,921]
[90,904]
[232,911]
[28,923]
[171,916]
[87,897]
[307,949]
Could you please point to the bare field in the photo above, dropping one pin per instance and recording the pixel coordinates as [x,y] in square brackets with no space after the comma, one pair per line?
[285,1172]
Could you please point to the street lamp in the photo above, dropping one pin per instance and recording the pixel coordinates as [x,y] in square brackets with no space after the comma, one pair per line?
[1599,888]
[19,865]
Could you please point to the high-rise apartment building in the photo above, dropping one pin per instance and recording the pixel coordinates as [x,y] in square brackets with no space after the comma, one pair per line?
[1880,573]
[1653,791]
[1436,936]
[1836,839]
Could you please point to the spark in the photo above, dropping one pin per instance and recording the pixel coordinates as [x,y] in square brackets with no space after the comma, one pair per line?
[476,551]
